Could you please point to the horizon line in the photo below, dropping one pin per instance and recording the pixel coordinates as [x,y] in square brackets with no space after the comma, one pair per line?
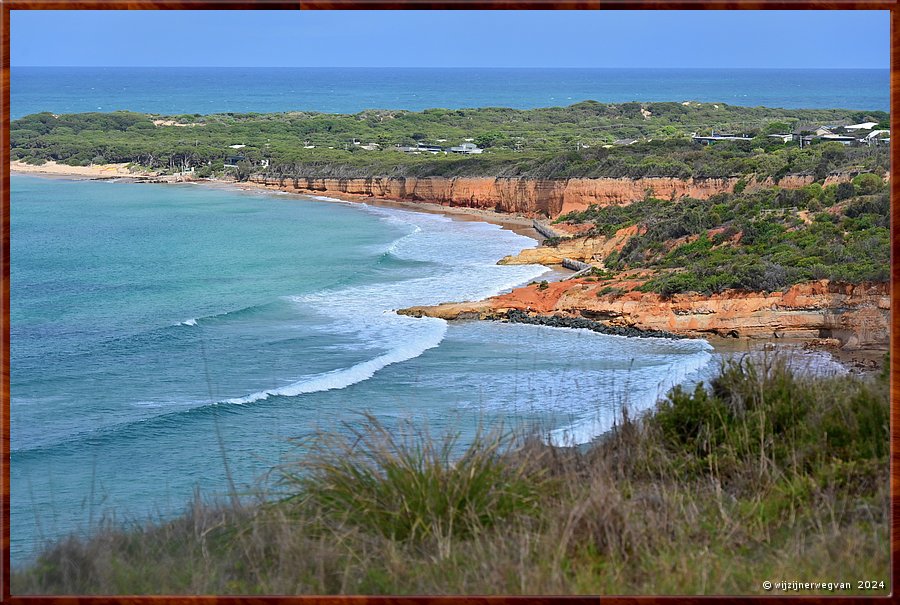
[428,67]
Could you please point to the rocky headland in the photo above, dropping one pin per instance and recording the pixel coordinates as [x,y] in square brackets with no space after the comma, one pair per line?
[840,315]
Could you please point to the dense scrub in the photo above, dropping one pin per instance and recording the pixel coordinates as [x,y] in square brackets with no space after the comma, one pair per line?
[556,142]
[761,241]
[762,475]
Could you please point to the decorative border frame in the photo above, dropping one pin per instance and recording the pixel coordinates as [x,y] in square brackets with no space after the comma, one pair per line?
[8,5]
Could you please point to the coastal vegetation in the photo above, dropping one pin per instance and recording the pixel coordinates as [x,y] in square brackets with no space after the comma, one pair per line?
[766,240]
[762,475]
[587,139]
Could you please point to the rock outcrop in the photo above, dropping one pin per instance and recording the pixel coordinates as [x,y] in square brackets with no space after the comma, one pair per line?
[855,315]
[585,249]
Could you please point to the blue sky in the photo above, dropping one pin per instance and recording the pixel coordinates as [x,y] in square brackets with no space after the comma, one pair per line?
[452,38]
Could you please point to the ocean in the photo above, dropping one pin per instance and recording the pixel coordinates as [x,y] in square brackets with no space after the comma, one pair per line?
[217,90]
[150,321]
[166,337]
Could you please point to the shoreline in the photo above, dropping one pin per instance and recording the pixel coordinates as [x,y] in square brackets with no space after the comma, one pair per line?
[517,224]
[856,361]
[64,171]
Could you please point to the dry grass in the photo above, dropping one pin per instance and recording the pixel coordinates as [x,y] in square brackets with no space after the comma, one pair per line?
[762,476]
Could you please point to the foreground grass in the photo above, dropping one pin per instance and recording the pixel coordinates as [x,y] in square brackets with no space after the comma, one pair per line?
[763,475]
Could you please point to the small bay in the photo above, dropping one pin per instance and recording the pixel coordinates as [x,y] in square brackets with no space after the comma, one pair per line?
[160,331]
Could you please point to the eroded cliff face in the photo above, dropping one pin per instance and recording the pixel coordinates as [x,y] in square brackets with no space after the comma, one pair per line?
[589,249]
[854,315]
[527,197]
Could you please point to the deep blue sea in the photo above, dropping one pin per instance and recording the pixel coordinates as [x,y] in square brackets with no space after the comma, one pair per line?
[216,90]
[160,332]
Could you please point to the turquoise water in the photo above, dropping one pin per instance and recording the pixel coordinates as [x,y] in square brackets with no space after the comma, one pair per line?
[350,90]
[159,331]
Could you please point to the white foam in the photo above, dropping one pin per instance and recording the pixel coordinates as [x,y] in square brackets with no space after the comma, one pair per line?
[462,260]
[588,427]
[342,378]
[189,322]
[463,267]
[323,198]
[395,245]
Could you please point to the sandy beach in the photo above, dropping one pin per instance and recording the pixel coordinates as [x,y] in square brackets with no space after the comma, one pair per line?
[94,171]
[517,224]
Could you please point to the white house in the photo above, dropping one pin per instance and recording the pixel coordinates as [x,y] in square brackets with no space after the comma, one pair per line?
[863,126]
[840,138]
[876,137]
[466,148]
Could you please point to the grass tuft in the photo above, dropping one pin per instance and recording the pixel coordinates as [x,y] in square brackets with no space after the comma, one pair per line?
[413,486]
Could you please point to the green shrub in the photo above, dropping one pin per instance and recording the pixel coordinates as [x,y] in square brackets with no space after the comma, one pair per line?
[844,191]
[554,242]
[610,290]
[797,423]
[867,183]
[601,274]
[814,191]
[677,282]
[693,419]
[414,487]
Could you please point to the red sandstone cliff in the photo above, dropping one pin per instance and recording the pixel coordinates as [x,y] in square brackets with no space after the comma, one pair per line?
[527,197]
[855,315]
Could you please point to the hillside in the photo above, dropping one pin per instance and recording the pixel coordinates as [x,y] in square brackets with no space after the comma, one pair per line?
[765,240]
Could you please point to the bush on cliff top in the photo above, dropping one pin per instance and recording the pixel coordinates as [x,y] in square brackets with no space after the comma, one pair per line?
[411,487]
[762,241]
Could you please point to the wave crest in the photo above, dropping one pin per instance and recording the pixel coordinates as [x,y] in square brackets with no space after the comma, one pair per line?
[344,377]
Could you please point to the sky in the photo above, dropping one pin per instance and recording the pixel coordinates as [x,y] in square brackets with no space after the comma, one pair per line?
[738,39]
